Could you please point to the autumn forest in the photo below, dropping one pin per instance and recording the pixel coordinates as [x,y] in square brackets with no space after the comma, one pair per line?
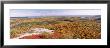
[56,27]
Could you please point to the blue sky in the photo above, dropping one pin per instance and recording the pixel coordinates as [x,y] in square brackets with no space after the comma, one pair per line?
[52,12]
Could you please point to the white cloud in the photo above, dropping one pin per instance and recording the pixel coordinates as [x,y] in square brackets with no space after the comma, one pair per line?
[44,12]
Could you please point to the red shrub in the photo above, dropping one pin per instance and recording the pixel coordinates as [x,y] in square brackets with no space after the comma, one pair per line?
[32,37]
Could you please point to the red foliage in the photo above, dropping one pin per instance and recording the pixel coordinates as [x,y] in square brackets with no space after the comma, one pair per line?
[32,37]
[56,35]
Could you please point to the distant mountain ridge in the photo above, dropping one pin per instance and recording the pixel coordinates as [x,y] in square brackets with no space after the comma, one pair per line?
[59,16]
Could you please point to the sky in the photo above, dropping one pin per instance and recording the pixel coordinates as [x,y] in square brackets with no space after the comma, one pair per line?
[52,12]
